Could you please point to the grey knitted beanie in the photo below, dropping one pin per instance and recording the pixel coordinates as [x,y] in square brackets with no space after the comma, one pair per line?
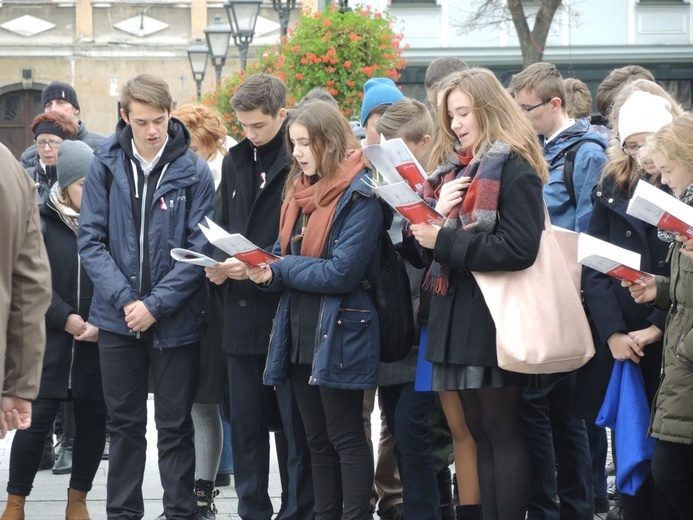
[74,158]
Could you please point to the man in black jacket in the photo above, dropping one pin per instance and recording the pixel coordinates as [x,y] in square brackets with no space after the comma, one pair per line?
[253,177]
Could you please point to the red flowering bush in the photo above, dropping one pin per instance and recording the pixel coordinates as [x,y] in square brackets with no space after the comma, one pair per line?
[330,49]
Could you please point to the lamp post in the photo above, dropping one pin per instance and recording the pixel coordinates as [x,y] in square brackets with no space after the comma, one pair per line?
[243,17]
[283,9]
[197,54]
[217,36]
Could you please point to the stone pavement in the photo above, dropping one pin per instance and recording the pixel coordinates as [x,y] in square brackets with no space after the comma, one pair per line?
[49,496]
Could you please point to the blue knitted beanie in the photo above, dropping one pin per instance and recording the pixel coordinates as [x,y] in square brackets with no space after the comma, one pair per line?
[376,92]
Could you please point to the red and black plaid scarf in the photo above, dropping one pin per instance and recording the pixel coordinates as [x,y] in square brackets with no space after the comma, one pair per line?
[478,210]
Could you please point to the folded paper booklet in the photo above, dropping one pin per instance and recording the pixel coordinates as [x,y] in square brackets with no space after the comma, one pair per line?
[407,203]
[660,209]
[237,245]
[395,163]
[192,257]
[610,259]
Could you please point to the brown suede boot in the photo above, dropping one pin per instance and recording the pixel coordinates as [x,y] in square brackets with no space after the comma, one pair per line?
[76,505]
[14,510]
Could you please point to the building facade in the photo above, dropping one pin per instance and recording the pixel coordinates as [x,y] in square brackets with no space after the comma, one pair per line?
[96,45]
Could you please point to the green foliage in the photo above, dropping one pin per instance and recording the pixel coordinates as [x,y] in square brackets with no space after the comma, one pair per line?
[333,50]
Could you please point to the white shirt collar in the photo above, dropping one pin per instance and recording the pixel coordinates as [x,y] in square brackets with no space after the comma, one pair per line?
[147,167]
[570,123]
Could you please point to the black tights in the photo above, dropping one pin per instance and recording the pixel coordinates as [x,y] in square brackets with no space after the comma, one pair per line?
[27,446]
[494,420]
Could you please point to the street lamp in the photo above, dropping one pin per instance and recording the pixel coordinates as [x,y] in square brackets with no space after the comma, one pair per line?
[217,36]
[197,54]
[243,17]
[284,11]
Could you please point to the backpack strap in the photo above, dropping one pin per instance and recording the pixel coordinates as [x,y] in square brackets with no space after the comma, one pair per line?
[570,152]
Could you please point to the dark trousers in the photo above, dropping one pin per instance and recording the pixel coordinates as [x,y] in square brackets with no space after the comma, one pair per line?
[407,412]
[672,471]
[341,458]
[557,442]
[27,446]
[599,446]
[126,363]
[252,408]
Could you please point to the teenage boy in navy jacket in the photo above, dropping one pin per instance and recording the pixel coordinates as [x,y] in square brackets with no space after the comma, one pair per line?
[144,195]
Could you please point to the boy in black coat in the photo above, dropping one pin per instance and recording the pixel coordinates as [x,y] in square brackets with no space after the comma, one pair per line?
[253,176]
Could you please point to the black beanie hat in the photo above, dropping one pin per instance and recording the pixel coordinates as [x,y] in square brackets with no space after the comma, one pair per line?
[59,90]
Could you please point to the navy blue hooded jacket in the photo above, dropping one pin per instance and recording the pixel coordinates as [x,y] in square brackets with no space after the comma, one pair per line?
[109,243]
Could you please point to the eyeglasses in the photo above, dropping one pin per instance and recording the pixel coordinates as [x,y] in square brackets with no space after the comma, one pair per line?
[529,109]
[631,149]
[43,142]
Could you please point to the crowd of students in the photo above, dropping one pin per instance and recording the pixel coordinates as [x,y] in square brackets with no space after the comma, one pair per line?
[292,347]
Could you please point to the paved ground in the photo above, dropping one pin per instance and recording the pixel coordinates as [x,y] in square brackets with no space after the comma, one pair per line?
[48,498]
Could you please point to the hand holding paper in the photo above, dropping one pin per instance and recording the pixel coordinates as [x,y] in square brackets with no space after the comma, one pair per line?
[237,245]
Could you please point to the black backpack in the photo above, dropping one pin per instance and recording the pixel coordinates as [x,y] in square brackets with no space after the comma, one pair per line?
[391,296]
[570,152]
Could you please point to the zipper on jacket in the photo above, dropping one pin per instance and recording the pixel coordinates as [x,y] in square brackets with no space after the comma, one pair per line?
[311,379]
[322,296]
[143,217]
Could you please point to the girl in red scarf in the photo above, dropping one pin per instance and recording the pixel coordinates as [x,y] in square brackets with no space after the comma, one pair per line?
[324,339]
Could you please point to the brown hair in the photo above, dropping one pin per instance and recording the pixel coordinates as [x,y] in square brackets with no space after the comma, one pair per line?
[498,117]
[541,78]
[330,139]
[263,91]
[204,123]
[408,119]
[608,88]
[147,89]
[442,67]
[66,124]
[317,93]
[578,99]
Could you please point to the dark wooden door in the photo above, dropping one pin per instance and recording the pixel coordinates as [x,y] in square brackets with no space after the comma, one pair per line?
[17,110]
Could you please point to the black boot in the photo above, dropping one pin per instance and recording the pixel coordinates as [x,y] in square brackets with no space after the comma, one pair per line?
[468,512]
[63,465]
[204,495]
[447,508]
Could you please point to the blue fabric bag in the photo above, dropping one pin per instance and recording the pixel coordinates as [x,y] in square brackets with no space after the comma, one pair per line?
[626,411]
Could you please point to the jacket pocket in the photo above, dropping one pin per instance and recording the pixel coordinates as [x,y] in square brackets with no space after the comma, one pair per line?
[684,346]
[353,341]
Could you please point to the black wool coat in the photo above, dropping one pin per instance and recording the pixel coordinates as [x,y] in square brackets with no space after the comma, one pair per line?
[610,307]
[460,327]
[67,363]
[254,213]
